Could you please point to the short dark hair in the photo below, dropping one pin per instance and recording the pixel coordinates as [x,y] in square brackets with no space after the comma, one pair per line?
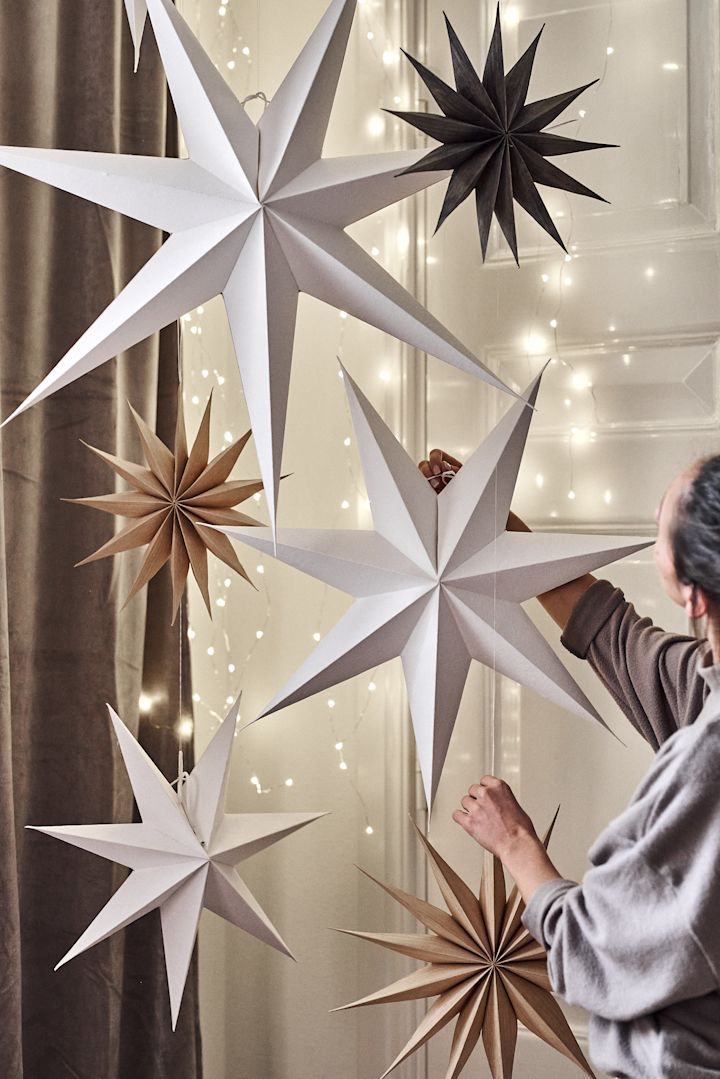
[696,531]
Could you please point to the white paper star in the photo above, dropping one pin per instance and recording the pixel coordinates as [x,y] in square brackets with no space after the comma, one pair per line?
[256,215]
[137,16]
[182,855]
[439,582]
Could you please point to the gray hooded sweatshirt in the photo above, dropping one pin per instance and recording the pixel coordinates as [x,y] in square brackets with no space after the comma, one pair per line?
[637,944]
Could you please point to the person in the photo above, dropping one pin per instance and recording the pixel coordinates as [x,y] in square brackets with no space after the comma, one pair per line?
[637,943]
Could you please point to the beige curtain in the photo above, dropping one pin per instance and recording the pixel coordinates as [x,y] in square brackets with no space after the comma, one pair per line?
[66,81]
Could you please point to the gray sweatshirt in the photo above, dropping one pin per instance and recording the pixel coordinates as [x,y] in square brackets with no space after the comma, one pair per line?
[637,944]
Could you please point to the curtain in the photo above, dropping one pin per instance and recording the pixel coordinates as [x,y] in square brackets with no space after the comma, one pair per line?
[67,647]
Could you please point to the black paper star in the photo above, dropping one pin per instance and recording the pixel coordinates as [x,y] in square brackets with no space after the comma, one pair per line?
[493,141]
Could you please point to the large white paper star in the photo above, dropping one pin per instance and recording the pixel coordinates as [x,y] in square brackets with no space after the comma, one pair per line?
[256,215]
[439,581]
[182,856]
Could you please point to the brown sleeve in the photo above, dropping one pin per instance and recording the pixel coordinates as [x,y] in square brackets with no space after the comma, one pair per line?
[652,675]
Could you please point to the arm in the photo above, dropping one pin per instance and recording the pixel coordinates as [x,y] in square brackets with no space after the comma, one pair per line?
[652,675]
[640,932]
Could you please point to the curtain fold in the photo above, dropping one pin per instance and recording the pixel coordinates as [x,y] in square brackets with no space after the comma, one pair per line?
[67,648]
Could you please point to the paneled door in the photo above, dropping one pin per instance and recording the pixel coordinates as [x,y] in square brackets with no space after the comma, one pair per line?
[630,317]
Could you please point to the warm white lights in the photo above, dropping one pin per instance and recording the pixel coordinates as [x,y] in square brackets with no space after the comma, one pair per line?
[144,703]
[185,728]
[534,343]
[376,125]
[581,381]
[540,480]
[259,634]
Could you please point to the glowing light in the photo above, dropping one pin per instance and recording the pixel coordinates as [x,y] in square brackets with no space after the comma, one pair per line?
[372,687]
[607,498]
[581,435]
[375,252]
[369,830]
[553,323]
[191,633]
[222,10]
[211,651]
[611,329]
[205,373]
[144,703]
[245,50]
[316,636]
[581,382]
[289,782]
[671,66]
[339,746]
[567,281]
[389,57]
[229,699]
[220,602]
[185,728]
[567,402]
[582,113]
[370,35]
[347,441]
[331,702]
[344,505]
[257,496]
[571,496]
[343,314]
[227,582]
[231,668]
[568,258]
[512,16]
[376,125]
[195,399]
[397,99]
[650,272]
[403,240]
[259,634]
[231,65]
[540,480]
[431,260]
[545,278]
[610,50]
[384,375]
[560,213]
[228,436]
[343,766]
[535,343]
[196,698]
[626,359]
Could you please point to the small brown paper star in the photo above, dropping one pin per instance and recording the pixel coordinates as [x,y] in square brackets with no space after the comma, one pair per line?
[483,966]
[172,502]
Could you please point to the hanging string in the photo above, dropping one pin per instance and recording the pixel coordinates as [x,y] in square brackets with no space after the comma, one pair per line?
[493,719]
[259,96]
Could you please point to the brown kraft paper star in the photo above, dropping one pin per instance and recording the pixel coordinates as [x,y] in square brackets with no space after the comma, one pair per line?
[172,502]
[482,965]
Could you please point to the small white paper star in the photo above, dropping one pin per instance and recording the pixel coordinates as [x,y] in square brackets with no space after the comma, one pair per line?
[182,856]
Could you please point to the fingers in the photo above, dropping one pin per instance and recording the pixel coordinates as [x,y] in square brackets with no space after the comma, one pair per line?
[462,819]
[439,468]
[468,803]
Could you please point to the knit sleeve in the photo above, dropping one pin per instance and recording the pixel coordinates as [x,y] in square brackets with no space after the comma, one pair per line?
[651,674]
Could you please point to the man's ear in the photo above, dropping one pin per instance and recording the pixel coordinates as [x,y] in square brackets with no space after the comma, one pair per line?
[696,602]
